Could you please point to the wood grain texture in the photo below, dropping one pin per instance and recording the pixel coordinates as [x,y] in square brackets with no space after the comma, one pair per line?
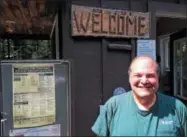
[27,16]
[89,21]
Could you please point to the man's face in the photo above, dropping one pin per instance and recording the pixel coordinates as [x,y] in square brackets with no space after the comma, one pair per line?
[143,78]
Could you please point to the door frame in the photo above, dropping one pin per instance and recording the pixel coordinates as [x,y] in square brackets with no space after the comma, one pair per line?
[158,9]
[173,10]
[176,36]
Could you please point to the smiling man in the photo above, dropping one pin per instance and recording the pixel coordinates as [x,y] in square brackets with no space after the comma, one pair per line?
[142,111]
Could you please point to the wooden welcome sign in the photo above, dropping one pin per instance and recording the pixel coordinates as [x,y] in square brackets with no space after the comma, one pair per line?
[87,21]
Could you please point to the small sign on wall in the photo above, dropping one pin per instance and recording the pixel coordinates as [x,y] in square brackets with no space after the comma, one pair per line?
[146,48]
[119,90]
[90,21]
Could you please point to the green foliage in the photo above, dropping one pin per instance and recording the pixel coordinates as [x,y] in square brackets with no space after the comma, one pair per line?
[25,49]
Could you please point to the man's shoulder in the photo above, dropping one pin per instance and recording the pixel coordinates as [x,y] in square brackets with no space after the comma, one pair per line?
[117,99]
[170,101]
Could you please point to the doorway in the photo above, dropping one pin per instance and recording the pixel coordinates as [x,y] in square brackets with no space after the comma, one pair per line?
[171,48]
[166,26]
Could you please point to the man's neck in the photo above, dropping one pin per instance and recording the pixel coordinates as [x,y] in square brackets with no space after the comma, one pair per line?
[145,103]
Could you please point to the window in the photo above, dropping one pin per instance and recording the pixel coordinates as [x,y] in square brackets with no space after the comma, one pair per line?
[180,68]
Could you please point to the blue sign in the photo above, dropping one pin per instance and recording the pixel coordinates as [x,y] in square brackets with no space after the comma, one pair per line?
[119,91]
[146,48]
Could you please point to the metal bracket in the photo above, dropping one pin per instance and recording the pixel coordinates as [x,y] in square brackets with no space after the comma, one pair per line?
[120,46]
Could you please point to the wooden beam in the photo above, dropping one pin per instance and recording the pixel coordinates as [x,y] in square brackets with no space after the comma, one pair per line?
[16,17]
[54,24]
[32,8]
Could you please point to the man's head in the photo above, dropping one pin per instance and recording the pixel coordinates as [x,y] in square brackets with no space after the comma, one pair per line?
[143,76]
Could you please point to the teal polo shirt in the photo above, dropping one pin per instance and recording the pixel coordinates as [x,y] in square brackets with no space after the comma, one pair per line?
[120,116]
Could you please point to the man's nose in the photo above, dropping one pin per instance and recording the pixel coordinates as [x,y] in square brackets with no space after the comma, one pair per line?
[144,79]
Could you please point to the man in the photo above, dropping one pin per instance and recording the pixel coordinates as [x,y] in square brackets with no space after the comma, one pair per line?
[142,111]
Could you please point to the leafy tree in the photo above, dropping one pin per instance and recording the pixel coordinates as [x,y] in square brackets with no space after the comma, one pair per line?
[25,49]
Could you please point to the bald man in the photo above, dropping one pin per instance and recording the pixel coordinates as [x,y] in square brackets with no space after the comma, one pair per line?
[142,111]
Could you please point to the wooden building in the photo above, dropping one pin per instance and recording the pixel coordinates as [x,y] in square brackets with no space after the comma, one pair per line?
[55,29]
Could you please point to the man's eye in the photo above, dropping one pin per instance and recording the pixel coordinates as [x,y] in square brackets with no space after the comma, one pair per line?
[137,75]
[151,76]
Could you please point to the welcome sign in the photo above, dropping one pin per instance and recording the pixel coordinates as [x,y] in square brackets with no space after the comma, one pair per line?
[89,21]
